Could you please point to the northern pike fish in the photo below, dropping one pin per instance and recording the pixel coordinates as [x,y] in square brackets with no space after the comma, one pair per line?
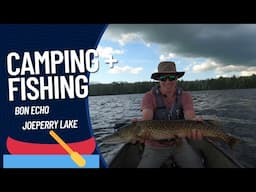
[165,129]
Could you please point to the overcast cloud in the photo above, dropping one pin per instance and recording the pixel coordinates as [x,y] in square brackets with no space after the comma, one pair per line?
[225,44]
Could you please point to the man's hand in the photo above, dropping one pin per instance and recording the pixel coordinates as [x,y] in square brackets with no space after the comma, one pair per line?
[196,134]
[134,120]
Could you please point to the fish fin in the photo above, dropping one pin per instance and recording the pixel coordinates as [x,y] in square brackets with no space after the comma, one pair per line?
[141,139]
[176,137]
[212,122]
[178,140]
[233,141]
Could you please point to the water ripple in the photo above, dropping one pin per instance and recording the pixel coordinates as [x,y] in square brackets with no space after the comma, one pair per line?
[234,108]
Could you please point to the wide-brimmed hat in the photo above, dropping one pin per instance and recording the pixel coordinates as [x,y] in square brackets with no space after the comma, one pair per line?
[166,67]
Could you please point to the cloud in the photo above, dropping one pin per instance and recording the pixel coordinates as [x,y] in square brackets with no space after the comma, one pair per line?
[205,66]
[125,69]
[167,57]
[220,69]
[230,70]
[105,52]
[128,37]
[225,44]
[248,72]
[125,38]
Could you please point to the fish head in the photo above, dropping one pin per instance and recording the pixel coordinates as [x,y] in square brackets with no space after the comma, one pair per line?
[125,134]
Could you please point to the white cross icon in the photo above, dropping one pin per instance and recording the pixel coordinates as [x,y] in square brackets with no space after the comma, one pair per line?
[111,61]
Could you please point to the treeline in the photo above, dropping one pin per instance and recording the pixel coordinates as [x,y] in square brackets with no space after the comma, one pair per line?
[117,88]
[220,83]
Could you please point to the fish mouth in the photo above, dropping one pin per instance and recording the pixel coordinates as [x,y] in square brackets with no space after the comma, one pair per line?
[113,140]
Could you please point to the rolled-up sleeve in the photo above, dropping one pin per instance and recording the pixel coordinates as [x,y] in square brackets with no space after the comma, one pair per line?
[148,101]
[187,102]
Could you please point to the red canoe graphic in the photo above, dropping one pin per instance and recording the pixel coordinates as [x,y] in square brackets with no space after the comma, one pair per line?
[19,147]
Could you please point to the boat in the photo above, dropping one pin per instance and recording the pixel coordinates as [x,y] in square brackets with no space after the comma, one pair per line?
[213,155]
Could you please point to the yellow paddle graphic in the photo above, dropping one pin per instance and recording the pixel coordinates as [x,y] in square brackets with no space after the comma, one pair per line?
[75,156]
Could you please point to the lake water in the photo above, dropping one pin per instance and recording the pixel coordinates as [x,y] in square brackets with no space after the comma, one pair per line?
[236,109]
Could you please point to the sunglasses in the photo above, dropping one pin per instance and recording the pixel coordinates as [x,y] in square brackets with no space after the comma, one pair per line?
[165,77]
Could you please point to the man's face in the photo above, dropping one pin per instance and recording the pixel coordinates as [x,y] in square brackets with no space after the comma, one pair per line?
[168,82]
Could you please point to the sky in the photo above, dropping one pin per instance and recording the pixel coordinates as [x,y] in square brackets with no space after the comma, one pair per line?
[202,51]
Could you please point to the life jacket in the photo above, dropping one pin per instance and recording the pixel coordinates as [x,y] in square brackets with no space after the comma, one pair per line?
[162,112]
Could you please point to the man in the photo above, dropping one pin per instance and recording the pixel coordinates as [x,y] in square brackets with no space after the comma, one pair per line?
[167,101]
